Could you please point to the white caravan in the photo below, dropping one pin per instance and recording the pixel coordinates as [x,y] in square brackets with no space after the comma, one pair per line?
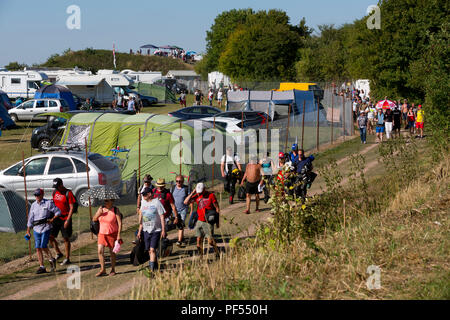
[21,83]
[54,75]
[142,76]
[363,84]
[101,87]
[217,80]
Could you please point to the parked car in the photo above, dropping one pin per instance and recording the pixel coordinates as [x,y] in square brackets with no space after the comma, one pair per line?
[49,134]
[70,166]
[146,100]
[29,109]
[251,118]
[231,126]
[195,112]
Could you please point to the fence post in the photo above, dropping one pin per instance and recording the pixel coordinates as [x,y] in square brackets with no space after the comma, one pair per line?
[287,131]
[317,130]
[332,115]
[181,148]
[214,150]
[88,183]
[343,115]
[139,159]
[26,197]
[303,121]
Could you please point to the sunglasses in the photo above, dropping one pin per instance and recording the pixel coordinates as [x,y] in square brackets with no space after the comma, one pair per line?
[179,180]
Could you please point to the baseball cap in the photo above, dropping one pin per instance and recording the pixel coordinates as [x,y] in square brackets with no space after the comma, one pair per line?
[148,178]
[38,192]
[57,182]
[281,155]
[294,146]
[200,187]
[146,191]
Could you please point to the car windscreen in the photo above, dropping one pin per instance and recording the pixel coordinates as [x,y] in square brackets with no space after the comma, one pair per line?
[101,162]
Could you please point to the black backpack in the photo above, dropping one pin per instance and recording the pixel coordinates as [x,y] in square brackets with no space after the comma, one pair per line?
[75,204]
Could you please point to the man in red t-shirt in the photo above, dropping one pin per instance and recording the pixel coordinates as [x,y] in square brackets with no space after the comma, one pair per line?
[205,201]
[64,200]
[166,199]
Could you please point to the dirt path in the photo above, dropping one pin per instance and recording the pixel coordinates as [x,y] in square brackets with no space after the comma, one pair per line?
[21,271]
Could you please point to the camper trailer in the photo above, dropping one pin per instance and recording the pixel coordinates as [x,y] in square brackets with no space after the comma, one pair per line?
[100,87]
[142,76]
[21,83]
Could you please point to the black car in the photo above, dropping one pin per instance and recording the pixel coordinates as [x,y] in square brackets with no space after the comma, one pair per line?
[251,118]
[195,112]
[49,134]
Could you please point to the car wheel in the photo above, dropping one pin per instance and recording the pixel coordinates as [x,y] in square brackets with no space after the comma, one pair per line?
[14,117]
[83,198]
[43,143]
[145,103]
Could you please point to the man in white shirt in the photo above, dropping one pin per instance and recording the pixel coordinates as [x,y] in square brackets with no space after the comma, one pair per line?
[230,162]
[151,221]
[131,104]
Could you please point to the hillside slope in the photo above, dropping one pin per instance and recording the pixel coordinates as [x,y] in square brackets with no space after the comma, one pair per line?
[93,60]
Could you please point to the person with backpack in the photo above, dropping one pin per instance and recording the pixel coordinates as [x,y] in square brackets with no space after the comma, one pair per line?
[163,194]
[42,213]
[228,164]
[67,203]
[362,125]
[207,206]
[152,226]
[110,221]
[179,193]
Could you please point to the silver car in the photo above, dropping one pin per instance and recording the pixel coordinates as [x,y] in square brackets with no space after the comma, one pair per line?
[29,109]
[69,166]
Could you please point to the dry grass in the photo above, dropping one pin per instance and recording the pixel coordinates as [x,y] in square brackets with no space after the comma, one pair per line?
[409,241]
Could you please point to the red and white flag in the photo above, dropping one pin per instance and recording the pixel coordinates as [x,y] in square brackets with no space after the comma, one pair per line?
[114,55]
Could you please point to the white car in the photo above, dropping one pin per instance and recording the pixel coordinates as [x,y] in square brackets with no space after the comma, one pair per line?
[29,109]
[70,166]
[231,125]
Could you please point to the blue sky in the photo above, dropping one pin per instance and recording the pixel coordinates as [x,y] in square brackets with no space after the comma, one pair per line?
[33,30]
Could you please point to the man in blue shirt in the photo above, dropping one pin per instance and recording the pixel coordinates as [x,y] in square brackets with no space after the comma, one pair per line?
[40,218]
[293,155]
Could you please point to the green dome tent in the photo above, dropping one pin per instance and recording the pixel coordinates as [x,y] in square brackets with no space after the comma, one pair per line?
[12,212]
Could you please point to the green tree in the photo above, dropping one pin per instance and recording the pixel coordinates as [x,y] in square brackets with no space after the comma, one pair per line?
[12,66]
[261,51]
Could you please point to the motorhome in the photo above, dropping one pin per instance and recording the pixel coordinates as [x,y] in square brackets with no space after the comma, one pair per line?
[54,75]
[100,87]
[21,83]
[142,76]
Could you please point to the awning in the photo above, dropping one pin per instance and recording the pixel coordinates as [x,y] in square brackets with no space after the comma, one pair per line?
[80,81]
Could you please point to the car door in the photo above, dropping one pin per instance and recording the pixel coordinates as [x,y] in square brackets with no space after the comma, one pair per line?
[35,170]
[27,111]
[59,167]
[41,106]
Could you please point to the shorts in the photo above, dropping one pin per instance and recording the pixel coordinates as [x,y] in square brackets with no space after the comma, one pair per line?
[151,240]
[108,240]
[380,129]
[396,127]
[181,219]
[419,125]
[58,224]
[204,229]
[41,239]
[252,187]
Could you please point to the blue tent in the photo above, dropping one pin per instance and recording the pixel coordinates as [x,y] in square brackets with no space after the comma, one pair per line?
[5,104]
[56,92]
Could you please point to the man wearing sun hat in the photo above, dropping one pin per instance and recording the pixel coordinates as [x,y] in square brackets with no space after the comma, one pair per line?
[40,218]
[166,198]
